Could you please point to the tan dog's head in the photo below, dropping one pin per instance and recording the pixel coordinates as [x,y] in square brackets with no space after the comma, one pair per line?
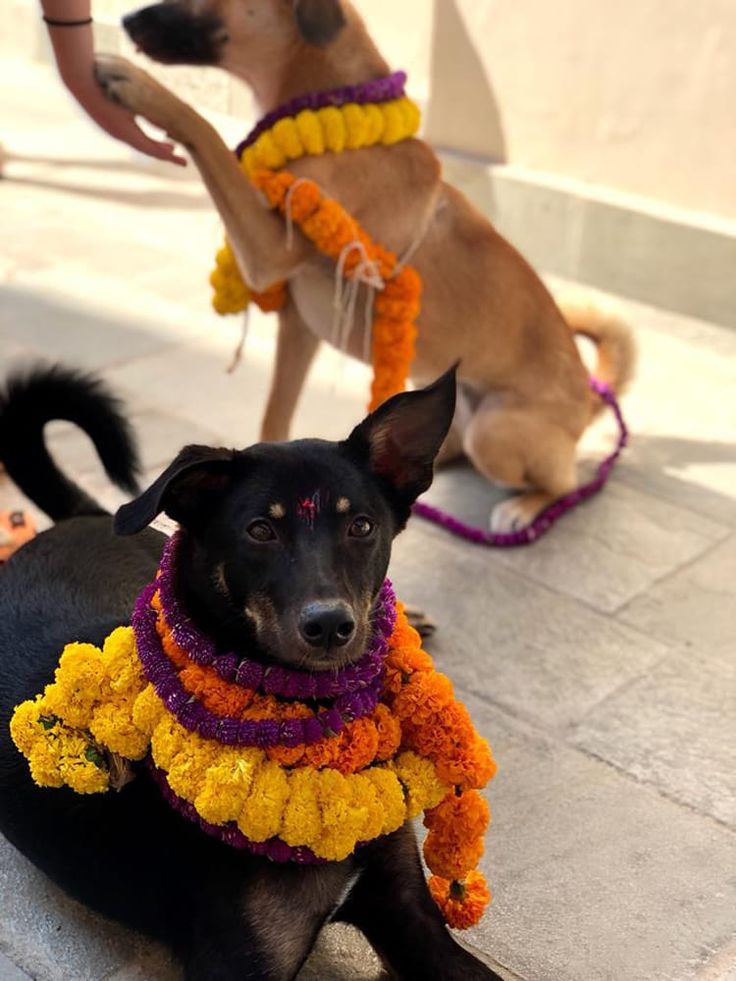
[231,33]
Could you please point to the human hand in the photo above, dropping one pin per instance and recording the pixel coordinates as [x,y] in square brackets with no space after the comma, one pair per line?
[118,122]
[70,31]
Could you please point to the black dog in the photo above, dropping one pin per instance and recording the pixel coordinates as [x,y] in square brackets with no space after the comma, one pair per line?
[286,547]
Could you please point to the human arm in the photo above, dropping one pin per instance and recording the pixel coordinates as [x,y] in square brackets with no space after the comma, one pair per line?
[73,46]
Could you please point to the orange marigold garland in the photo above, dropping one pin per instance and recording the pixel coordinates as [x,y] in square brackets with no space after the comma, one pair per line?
[288,774]
[437,727]
[332,230]
[329,226]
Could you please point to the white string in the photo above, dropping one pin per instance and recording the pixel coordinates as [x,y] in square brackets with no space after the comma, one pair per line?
[240,349]
[413,248]
[368,326]
[365,273]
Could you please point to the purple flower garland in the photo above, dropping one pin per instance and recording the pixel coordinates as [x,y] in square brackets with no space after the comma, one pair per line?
[347,707]
[378,90]
[551,515]
[274,680]
[229,834]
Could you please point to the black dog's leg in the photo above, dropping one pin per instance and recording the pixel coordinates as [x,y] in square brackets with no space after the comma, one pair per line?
[392,906]
[262,927]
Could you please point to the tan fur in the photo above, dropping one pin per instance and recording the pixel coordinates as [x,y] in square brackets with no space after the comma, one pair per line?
[482,303]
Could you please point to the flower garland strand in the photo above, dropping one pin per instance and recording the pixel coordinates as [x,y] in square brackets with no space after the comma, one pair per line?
[548,518]
[413,749]
[344,119]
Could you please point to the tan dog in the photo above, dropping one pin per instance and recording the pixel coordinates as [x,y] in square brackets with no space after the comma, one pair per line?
[525,396]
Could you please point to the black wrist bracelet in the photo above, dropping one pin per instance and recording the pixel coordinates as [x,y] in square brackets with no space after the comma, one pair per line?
[53,22]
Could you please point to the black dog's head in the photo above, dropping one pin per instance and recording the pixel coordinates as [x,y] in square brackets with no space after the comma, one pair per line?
[231,33]
[286,545]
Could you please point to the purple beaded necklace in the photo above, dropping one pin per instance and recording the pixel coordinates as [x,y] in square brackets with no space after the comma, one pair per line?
[549,517]
[273,680]
[338,697]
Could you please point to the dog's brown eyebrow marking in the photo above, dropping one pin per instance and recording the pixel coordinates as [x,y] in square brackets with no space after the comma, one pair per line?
[343,505]
[277,511]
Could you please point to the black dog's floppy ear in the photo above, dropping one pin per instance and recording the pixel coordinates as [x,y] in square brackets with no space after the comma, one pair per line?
[319,21]
[402,438]
[182,489]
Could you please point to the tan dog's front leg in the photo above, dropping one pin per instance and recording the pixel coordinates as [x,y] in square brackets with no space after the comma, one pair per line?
[256,234]
[295,352]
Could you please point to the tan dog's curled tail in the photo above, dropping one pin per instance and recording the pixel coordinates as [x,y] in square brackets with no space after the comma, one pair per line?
[613,338]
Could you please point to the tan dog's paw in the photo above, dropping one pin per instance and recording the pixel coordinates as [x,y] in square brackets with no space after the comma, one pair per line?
[132,88]
[418,619]
[518,512]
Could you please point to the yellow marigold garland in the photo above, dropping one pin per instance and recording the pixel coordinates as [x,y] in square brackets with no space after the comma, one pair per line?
[330,228]
[101,704]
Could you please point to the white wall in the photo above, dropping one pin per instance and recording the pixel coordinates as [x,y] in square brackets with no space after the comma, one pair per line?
[638,95]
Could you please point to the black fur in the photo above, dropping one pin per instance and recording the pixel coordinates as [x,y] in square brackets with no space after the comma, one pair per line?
[34,398]
[228,915]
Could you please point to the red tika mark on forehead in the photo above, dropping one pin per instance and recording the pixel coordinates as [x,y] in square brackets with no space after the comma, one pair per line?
[308,508]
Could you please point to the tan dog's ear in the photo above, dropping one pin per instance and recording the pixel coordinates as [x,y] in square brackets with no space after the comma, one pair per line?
[319,21]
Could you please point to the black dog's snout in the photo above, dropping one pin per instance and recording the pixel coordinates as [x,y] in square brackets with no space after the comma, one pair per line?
[327,624]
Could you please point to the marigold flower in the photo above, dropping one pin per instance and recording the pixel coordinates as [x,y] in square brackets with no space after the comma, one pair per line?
[310,132]
[417,751]
[424,697]
[333,128]
[356,126]
[462,903]
[459,816]
[225,787]
[263,811]
[388,730]
[452,859]
[357,746]
[302,823]
[286,137]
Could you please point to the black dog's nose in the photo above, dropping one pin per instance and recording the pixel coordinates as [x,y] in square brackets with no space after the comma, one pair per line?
[327,624]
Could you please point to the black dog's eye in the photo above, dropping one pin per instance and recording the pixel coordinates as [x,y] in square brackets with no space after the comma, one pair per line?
[261,531]
[361,528]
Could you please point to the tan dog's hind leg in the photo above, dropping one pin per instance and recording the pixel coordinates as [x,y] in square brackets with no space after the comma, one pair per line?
[521,449]
[256,234]
[295,350]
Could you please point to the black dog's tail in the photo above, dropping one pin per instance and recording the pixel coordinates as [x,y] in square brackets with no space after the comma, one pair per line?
[35,397]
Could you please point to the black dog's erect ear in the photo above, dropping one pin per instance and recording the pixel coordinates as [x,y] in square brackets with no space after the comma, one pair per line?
[198,472]
[319,21]
[402,438]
